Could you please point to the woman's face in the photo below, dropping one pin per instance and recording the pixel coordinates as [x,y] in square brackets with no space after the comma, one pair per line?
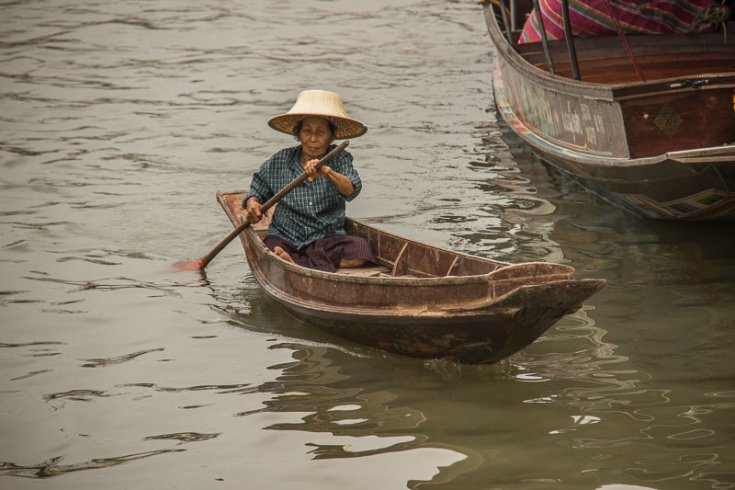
[315,137]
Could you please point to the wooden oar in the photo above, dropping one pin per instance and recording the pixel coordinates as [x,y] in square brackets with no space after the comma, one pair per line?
[202,263]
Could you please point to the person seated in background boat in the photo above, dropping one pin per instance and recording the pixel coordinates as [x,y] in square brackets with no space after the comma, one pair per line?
[307,227]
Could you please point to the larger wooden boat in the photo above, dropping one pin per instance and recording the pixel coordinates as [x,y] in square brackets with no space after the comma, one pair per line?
[645,121]
[420,300]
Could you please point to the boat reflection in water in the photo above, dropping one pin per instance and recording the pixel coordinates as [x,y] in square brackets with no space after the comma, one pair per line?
[472,424]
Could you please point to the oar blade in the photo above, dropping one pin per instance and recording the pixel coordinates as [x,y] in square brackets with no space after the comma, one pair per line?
[192,265]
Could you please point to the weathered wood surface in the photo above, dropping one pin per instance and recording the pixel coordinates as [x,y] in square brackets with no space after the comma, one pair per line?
[420,301]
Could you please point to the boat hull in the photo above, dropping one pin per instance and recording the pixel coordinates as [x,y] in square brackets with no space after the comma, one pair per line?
[661,149]
[471,337]
[486,312]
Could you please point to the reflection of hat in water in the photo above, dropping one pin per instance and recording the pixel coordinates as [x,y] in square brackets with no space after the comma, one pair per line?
[322,104]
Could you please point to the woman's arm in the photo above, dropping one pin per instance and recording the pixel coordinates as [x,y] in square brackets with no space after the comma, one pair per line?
[260,191]
[341,182]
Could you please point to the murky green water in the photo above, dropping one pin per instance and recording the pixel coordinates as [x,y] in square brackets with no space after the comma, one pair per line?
[118,123]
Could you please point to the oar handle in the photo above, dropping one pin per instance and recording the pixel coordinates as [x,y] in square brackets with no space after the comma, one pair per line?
[202,263]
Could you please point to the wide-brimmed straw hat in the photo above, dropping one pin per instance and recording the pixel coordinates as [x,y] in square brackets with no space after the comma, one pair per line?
[322,104]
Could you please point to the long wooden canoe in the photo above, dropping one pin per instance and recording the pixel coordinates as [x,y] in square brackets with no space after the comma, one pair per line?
[662,147]
[420,300]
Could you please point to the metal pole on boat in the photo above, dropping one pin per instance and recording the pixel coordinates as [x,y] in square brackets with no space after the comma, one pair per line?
[506,23]
[570,39]
[544,39]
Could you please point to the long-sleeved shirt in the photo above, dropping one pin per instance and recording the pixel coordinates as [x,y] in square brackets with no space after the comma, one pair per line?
[312,210]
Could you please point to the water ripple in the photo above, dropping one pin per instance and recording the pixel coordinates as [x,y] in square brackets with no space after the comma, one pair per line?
[80,395]
[53,468]
[110,361]
[184,437]
[221,389]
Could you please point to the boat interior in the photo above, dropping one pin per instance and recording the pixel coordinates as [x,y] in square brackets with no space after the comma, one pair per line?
[396,256]
[399,256]
[606,60]
[402,257]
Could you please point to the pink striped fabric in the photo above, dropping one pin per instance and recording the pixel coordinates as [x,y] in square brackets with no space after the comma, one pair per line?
[593,18]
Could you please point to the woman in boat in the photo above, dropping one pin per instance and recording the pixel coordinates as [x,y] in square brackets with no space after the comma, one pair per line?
[307,227]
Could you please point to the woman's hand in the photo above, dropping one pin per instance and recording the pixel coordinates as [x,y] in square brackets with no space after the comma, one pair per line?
[313,172]
[342,183]
[253,210]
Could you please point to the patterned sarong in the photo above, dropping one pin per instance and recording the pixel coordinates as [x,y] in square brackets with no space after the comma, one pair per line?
[326,253]
[595,18]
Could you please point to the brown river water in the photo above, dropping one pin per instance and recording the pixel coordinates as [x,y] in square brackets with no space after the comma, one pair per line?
[118,123]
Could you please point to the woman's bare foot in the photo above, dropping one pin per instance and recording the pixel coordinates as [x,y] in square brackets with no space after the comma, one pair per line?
[346,263]
[283,254]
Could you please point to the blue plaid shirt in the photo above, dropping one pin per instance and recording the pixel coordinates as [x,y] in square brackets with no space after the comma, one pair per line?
[312,210]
